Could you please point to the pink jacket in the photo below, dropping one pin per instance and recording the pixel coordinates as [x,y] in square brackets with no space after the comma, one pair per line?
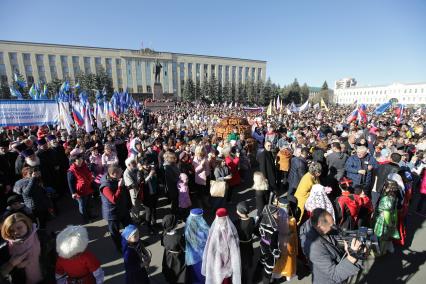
[201,171]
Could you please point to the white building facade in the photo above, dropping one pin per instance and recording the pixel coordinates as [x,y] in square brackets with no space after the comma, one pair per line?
[408,94]
[129,69]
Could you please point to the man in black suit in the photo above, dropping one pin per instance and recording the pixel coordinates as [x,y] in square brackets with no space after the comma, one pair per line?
[267,166]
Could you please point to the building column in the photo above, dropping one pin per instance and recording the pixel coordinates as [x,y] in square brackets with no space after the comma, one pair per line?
[209,72]
[92,65]
[134,79]
[34,66]
[58,65]
[9,71]
[21,65]
[170,76]
[81,64]
[243,75]
[194,72]
[46,65]
[185,71]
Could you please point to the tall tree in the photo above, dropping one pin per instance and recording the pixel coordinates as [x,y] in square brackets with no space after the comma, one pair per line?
[324,86]
[304,92]
[227,92]
[53,88]
[189,90]
[294,94]
[267,91]
[251,92]
[214,89]
[198,94]
[4,91]
[324,93]
[205,91]
[259,97]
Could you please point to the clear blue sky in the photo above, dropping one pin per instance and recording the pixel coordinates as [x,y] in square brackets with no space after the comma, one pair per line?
[377,42]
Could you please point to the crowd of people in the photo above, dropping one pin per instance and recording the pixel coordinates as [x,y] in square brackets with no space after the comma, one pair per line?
[308,175]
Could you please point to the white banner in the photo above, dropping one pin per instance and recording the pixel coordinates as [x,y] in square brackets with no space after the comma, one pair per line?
[28,112]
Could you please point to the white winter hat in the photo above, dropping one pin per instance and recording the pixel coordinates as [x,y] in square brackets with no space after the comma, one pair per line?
[71,241]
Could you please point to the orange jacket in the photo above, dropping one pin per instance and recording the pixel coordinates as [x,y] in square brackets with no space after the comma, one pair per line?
[284,157]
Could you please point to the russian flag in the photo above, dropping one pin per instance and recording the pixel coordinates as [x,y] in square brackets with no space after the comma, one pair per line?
[399,113]
[353,116]
[111,112]
[362,113]
[78,117]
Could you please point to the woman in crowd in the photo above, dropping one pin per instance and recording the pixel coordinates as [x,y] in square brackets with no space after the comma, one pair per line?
[202,173]
[385,227]
[232,160]
[109,157]
[196,233]
[133,183]
[260,186]
[34,194]
[174,268]
[222,173]
[148,174]
[172,173]
[221,258]
[28,254]
[305,186]
[318,199]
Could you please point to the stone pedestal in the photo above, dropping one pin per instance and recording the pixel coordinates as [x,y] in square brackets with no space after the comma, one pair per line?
[157,94]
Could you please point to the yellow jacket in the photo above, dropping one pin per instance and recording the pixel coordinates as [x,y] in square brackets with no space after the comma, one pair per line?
[303,190]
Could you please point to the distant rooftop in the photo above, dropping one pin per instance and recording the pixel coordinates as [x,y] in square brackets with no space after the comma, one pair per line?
[119,49]
[378,86]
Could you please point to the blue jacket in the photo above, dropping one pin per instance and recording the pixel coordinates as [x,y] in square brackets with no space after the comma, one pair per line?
[298,168]
[354,164]
[120,209]
[135,271]
[33,193]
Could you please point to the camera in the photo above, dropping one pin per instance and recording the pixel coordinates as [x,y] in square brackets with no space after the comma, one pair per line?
[364,235]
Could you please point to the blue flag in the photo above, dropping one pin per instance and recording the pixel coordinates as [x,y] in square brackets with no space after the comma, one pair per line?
[383,108]
[19,81]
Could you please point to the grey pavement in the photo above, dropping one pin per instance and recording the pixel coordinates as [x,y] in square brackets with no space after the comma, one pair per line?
[404,266]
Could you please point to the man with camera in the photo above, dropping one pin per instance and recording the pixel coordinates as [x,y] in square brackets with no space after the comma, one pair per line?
[329,263]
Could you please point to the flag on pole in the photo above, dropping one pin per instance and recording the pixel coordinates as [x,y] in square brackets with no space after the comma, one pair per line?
[77,114]
[399,113]
[278,104]
[323,105]
[382,108]
[88,120]
[19,81]
[15,93]
[269,110]
[65,117]
[362,113]
[33,92]
[99,116]
[352,116]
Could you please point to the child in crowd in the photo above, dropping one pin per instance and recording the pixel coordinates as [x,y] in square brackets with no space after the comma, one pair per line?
[184,199]
[136,257]
[15,204]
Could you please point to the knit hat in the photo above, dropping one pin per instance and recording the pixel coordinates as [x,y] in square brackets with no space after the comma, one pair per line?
[197,212]
[13,199]
[129,231]
[28,152]
[242,208]
[221,212]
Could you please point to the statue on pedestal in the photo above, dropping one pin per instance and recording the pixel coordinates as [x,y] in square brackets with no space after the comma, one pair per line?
[157,71]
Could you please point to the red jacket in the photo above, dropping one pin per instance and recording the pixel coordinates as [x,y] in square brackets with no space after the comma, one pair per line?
[233,166]
[80,266]
[351,203]
[83,179]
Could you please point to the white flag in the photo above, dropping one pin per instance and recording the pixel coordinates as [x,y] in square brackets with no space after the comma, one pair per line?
[65,116]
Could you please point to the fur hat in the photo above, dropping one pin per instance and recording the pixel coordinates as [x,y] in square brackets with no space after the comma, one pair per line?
[72,241]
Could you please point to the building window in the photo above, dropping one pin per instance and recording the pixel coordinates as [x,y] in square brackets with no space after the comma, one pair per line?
[87,68]
[213,70]
[227,73]
[182,76]
[253,70]
[259,74]
[148,72]
[205,70]
[26,57]
[98,64]
[234,70]
[246,74]
[129,73]
[174,71]
[139,74]
[140,90]
[197,72]
[165,77]
[240,74]
[190,71]
[28,69]
[410,91]
[219,76]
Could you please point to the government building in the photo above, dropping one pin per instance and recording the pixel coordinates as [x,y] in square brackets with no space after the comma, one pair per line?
[346,92]
[129,69]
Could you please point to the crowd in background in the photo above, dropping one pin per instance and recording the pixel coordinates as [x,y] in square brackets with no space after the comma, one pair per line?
[362,174]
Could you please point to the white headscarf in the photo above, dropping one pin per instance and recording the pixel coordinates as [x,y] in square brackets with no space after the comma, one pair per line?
[221,258]
[319,199]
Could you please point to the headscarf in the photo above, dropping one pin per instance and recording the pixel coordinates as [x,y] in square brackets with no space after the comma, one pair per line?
[221,257]
[267,216]
[196,233]
[169,223]
[319,199]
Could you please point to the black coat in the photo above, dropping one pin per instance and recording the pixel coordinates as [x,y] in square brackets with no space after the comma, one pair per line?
[298,168]
[267,167]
